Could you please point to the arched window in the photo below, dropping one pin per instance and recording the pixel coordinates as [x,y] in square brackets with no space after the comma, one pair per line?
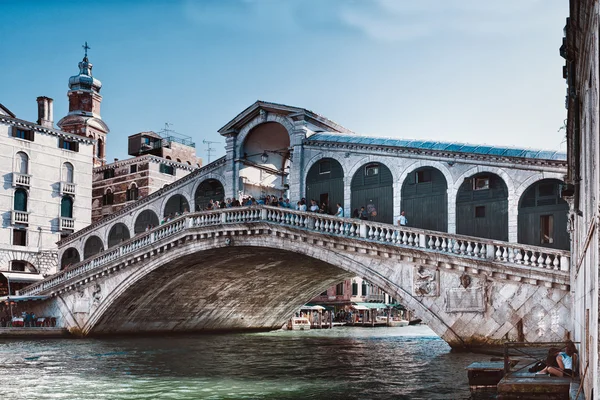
[66,207]
[22,163]
[20,201]
[67,172]
[132,192]
[179,160]
[100,149]
[107,198]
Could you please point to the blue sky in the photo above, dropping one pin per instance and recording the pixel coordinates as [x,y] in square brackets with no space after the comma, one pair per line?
[450,70]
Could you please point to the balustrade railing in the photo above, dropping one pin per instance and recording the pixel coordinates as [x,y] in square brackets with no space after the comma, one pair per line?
[19,179]
[67,188]
[67,223]
[19,217]
[459,245]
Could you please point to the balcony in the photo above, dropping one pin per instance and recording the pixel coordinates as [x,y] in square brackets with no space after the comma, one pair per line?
[19,179]
[67,188]
[19,217]
[67,224]
[375,298]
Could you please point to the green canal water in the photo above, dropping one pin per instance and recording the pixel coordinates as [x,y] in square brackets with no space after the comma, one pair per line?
[342,363]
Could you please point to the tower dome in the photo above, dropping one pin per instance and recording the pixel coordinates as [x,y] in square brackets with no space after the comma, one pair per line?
[84,80]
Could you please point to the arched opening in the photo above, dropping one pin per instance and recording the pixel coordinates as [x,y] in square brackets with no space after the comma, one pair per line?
[325,183]
[543,216]
[132,193]
[210,189]
[10,286]
[118,233]
[22,163]
[108,198]
[70,257]
[372,188]
[20,200]
[264,161]
[425,199]
[482,207]
[93,246]
[22,266]
[66,207]
[146,219]
[176,205]
[100,149]
[67,172]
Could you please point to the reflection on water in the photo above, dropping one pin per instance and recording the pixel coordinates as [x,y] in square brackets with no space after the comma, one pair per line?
[343,363]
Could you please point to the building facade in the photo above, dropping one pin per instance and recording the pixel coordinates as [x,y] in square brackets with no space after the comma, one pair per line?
[580,50]
[46,193]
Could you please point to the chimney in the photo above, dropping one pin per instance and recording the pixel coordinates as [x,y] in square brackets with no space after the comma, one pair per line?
[116,159]
[45,112]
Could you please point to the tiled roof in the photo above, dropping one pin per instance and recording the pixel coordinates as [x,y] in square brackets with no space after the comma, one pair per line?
[440,146]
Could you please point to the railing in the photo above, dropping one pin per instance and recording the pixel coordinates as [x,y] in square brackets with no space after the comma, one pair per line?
[19,217]
[67,188]
[463,246]
[67,223]
[19,179]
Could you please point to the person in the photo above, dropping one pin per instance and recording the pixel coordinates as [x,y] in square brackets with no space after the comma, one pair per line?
[403,220]
[355,213]
[340,211]
[302,205]
[363,214]
[561,363]
[314,207]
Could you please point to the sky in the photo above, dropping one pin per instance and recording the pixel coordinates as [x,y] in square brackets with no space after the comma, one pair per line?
[449,70]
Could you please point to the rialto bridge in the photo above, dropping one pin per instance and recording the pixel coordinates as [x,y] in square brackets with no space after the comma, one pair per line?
[482,259]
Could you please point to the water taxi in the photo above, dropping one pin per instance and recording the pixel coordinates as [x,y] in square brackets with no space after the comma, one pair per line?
[298,324]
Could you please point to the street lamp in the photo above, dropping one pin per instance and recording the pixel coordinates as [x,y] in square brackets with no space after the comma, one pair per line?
[264,157]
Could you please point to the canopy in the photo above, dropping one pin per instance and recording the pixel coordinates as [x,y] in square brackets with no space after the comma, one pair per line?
[360,308]
[312,308]
[371,306]
[22,277]
[22,298]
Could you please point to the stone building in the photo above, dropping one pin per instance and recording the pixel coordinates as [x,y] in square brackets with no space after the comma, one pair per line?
[157,161]
[46,193]
[355,290]
[580,50]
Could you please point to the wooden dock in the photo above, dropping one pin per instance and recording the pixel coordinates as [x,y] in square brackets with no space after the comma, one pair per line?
[525,385]
[33,332]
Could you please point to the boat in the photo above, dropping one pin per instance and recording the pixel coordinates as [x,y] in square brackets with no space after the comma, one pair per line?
[298,324]
[415,322]
[398,322]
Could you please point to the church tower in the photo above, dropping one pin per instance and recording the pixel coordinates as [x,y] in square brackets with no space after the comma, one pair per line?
[84,117]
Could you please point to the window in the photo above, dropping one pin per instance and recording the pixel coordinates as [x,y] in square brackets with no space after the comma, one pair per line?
[364,289]
[546,189]
[423,176]
[324,167]
[179,160]
[100,149]
[22,133]
[20,200]
[324,293]
[109,173]
[372,169]
[167,169]
[481,183]
[480,212]
[19,237]
[67,172]
[18,266]
[132,192]
[22,163]
[133,169]
[339,289]
[546,229]
[354,289]
[107,198]
[68,144]
[66,207]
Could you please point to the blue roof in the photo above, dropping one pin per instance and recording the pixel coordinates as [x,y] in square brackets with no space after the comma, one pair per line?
[440,146]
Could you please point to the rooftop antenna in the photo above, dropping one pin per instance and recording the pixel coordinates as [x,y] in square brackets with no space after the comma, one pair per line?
[209,149]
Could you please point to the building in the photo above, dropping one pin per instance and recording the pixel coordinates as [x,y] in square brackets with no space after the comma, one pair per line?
[46,193]
[158,160]
[580,50]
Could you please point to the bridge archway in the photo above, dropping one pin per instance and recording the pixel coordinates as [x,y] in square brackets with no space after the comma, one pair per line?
[69,257]
[325,183]
[482,207]
[209,189]
[118,233]
[372,188]
[93,246]
[176,204]
[144,219]
[543,216]
[425,199]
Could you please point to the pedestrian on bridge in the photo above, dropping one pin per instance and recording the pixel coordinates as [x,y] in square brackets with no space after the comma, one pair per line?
[403,221]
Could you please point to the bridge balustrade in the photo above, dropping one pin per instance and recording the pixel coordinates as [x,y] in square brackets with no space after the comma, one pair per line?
[458,245]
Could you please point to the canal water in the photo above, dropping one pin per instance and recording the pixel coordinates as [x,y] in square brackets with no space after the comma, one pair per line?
[342,363]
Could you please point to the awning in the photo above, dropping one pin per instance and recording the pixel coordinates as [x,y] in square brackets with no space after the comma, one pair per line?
[371,306]
[22,298]
[312,308]
[22,277]
[359,307]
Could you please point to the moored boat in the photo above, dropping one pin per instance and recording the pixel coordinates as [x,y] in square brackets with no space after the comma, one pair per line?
[298,324]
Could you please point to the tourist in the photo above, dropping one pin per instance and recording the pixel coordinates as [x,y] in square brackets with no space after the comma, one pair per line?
[314,207]
[302,205]
[403,220]
[340,211]
[561,363]
[363,214]
[324,209]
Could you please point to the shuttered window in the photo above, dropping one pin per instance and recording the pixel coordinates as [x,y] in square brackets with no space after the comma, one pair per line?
[66,207]
[20,200]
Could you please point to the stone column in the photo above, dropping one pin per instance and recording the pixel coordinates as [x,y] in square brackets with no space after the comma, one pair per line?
[296,178]
[513,217]
[451,195]
[231,168]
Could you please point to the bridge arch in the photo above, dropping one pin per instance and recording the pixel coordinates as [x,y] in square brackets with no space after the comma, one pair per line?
[118,233]
[208,189]
[69,257]
[325,183]
[315,270]
[144,219]
[372,187]
[424,197]
[93,245]
[176,204]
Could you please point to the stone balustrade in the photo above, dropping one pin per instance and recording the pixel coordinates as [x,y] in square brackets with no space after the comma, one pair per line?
[19,217]
[457,245]
[67,223]
[67,188]
[19,179]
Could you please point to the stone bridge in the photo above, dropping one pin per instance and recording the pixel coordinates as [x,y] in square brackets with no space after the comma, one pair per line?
[252,267]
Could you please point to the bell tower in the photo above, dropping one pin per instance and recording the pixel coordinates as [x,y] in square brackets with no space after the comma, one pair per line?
[84,117]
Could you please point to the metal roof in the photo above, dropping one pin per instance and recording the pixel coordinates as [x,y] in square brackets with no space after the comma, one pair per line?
[440,146]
